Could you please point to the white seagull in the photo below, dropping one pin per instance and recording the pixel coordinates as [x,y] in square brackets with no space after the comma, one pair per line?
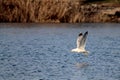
[81,42]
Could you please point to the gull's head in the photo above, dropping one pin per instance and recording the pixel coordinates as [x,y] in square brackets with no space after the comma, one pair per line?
[80,34]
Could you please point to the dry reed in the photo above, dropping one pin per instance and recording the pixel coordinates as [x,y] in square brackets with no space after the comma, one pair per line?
[48,11]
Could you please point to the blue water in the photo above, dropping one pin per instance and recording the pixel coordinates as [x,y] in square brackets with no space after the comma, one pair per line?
[42,52]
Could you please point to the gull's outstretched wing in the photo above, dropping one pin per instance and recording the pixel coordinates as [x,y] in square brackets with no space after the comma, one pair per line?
[81,40]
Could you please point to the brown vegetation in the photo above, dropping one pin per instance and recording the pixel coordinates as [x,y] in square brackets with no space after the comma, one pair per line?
[57,11]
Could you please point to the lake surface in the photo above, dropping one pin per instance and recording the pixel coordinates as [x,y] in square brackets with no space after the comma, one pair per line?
[43,52]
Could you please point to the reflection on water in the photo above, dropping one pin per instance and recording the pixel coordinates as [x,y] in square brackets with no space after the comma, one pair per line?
[42,52]
[81,65]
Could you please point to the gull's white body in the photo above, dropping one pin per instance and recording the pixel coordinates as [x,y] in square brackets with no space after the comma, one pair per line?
[78,50]
[81,41]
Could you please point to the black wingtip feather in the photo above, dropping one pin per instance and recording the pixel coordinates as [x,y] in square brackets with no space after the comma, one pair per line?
[80,34]
[86,32]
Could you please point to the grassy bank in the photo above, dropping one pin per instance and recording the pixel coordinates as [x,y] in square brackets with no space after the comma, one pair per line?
[59,11]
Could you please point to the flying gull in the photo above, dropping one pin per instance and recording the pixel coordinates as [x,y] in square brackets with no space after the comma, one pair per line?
[81,42]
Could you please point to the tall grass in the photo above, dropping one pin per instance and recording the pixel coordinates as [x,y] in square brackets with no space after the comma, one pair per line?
[34,10]
[47,11]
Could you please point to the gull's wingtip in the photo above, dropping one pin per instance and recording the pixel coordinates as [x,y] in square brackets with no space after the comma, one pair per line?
[80,34]
[86,32]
